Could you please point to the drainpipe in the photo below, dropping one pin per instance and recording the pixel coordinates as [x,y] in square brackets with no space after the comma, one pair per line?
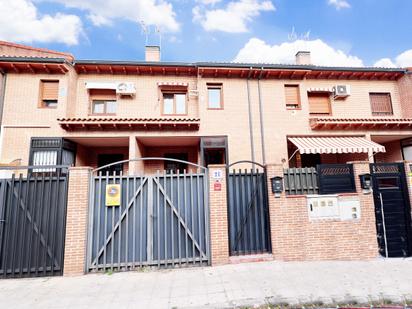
[2,95]
[262,130]
[252,148]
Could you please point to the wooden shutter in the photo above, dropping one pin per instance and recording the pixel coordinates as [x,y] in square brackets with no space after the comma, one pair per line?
[49,90]
[381,103]
[319,103]
[292,96]
[103,94]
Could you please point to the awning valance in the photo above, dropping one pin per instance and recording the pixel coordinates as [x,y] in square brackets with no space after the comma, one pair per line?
[319,89]
[172,84]
[335,145]
[101,85]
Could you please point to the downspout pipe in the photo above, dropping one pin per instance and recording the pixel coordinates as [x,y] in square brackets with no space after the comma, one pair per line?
[262,129]
[252,147]
[2,95]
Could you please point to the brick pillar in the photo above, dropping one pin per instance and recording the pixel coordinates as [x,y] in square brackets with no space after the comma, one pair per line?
[76,222]
[368,245]
[219,236]
[273,170]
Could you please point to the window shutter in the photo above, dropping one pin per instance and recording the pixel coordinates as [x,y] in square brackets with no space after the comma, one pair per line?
[50,90]
[381,103]
[292,96]
[319,104]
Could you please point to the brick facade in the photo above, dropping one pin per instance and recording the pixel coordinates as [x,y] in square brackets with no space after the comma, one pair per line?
[76,222]
[219,237]
[296,238]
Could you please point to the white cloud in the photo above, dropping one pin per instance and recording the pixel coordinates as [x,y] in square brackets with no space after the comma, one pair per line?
[20,21]
[339,4]
[403,60]
[233,18]
[102,12]
[259,51]
[385,63]
[208,2]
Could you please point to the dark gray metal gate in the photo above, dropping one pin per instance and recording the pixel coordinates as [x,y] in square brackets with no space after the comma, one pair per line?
[32,224]
[392,209]
[162,220]
[249,231]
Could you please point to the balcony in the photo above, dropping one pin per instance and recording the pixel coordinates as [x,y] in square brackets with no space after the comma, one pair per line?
[125,124]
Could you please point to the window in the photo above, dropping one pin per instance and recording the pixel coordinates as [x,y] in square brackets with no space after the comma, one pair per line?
[103,101]
[44,157]
[214,95]
[174,103]
[292,96]
[51,151]
[172,166]
[381,104]
[49,93]
[319,103]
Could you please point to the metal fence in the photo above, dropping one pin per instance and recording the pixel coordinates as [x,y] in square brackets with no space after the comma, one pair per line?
[249,231]
[32,224]
[300,181]
[336,178]
[161,220]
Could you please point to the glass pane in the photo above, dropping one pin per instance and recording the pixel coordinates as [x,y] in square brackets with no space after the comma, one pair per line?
[49,103]
[98,107]
[111,107]
[214,97]
[180,104]
[167,104]
[388,183]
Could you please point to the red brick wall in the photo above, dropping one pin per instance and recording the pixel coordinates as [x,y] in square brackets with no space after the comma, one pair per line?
[76,222]
[296,238]
[405,92]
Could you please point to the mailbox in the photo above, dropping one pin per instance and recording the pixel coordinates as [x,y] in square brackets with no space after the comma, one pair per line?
[366,181]
[277,185]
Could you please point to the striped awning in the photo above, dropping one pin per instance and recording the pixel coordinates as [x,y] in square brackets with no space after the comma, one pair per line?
[319,89]
[335,145]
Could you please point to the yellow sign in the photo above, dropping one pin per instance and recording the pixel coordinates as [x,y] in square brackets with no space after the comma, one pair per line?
[113,195]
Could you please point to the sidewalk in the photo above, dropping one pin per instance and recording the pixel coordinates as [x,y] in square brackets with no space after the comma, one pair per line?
[218,287]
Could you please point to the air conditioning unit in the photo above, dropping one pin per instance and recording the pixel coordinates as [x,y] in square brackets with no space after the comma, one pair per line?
[126,88]
[342,91]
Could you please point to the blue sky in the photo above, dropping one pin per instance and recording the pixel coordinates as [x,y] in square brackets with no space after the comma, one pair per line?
[341,32]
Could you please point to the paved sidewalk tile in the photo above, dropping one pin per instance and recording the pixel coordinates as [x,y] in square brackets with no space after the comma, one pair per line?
[225,286]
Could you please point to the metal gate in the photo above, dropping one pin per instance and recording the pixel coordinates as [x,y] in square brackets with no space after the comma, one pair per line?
[162,220]
[249,231]
[392,209]
[32,224]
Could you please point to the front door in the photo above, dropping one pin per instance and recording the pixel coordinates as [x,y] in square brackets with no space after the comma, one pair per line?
[392,209]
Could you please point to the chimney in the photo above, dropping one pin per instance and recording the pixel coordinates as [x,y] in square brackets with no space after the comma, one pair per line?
[303,58]
[152,53]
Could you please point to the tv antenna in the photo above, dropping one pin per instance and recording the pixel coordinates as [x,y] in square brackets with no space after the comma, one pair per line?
[292,35]
[145,31]
[159,32]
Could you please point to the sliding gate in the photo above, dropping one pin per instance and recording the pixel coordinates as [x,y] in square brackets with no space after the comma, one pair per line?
[160,220]
[248,210]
